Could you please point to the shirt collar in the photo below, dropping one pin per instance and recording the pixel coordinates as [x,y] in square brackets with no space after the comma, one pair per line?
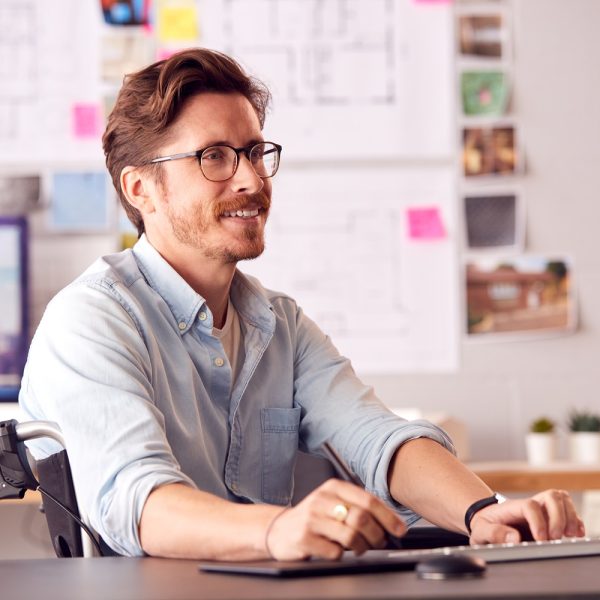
[181,299]
[248,296]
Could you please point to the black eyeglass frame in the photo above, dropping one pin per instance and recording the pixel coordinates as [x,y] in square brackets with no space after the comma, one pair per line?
[246,150]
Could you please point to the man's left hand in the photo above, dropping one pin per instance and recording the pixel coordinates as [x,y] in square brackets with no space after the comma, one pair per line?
[549,515]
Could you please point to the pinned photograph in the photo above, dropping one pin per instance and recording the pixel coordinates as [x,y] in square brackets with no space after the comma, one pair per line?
[484,93]
[519,297]
[489,151]
[19,194]
[481,35]
[126,12]
[123,52]
[494,221]
[79,201]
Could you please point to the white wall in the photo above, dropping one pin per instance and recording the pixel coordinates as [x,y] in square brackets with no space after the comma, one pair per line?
[501,387]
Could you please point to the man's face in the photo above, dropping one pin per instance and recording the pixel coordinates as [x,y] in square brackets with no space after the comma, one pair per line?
[196,213]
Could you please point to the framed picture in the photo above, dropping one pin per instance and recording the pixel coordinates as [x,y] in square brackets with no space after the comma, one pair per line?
[490,151]
[482,35]
[519,297]
[494,221]
[484,93]
[13,304]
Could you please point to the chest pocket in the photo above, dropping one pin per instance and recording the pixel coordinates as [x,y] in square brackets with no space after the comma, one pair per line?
[279,449]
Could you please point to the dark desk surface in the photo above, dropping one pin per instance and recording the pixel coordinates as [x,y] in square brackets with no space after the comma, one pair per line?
[160,579]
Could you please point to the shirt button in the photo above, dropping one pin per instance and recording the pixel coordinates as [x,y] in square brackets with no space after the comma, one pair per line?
[219,362]
[181,325]
[202,316]
[234,487]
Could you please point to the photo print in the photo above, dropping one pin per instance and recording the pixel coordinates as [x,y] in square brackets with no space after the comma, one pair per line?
[125,12]
[484,93]
[489,151]
[481,35]
[519,297]
[19,194]
[494,221]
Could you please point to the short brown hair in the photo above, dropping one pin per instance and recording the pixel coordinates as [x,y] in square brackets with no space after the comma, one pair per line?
[151,99]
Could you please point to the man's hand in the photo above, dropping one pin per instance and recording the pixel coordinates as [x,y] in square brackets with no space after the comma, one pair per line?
[319,526]
[549,515]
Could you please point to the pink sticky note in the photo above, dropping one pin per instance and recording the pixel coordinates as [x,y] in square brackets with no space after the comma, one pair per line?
[425,223]
[86,120]
[164,53]
[432,1]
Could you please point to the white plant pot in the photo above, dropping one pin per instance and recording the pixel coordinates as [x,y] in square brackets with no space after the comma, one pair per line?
[584,447]
[541,448]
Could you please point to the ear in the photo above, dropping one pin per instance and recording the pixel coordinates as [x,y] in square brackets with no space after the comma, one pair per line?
[138,189]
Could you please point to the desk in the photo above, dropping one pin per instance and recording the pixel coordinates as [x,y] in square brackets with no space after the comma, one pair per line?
[162,579]
[517,476]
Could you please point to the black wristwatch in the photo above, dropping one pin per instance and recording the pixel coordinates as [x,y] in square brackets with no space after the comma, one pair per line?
[480,504]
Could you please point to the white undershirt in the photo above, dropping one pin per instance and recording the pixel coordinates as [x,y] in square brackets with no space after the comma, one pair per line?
[232,340]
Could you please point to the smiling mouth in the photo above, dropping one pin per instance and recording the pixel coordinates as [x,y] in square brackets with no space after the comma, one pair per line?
[244,213]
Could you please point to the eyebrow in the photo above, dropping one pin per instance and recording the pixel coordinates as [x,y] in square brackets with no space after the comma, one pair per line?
[251,142]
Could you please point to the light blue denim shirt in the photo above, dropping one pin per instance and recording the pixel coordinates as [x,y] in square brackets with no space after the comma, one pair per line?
[124,360]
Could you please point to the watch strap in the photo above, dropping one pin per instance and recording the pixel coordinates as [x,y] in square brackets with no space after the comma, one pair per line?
[476,507]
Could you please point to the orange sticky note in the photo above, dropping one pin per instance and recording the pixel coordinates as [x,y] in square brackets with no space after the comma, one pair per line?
[425,223]
[86,120]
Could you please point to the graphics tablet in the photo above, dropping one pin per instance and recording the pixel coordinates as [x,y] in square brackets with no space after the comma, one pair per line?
[312,568]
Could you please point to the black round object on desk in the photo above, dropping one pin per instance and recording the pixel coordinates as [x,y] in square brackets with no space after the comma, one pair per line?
[451,566]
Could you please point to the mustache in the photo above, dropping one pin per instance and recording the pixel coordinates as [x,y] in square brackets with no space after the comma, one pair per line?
[260,200]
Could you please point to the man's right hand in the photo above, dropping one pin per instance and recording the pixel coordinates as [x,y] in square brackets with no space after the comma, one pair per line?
[337,516]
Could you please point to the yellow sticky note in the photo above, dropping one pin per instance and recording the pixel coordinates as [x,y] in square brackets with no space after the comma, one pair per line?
[177,22]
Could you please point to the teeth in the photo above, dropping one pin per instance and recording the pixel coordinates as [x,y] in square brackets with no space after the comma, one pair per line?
[242,213]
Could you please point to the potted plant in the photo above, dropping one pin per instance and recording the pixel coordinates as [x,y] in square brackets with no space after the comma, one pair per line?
[541,442]
[584,440]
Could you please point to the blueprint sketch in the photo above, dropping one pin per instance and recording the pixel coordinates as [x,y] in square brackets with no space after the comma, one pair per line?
[345,74]
[337,242]
[47,62]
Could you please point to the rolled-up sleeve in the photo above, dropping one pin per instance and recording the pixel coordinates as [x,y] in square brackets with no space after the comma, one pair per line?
[89,370]
[337,407]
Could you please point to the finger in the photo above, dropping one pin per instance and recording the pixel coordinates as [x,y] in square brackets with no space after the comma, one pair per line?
[342,534]
[572,525]
[537,519]
[321,547]
[554,503]
[362,521]
[357,521]
[353,495]
[493,533]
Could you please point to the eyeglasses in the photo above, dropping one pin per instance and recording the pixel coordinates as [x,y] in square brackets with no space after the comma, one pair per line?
[220,162]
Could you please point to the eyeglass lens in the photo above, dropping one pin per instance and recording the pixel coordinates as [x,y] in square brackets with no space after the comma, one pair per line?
[219,163]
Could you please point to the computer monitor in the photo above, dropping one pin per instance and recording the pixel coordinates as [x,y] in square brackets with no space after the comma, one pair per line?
[13,304]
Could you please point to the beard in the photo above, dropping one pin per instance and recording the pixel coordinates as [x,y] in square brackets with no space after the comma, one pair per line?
[190,228]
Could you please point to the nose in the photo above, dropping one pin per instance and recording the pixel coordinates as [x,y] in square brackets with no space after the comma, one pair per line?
[245,179]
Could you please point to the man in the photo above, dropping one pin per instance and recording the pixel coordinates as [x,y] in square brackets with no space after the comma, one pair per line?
[184,388]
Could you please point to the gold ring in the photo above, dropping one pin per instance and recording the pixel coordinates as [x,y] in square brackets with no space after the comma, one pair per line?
[340,512]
